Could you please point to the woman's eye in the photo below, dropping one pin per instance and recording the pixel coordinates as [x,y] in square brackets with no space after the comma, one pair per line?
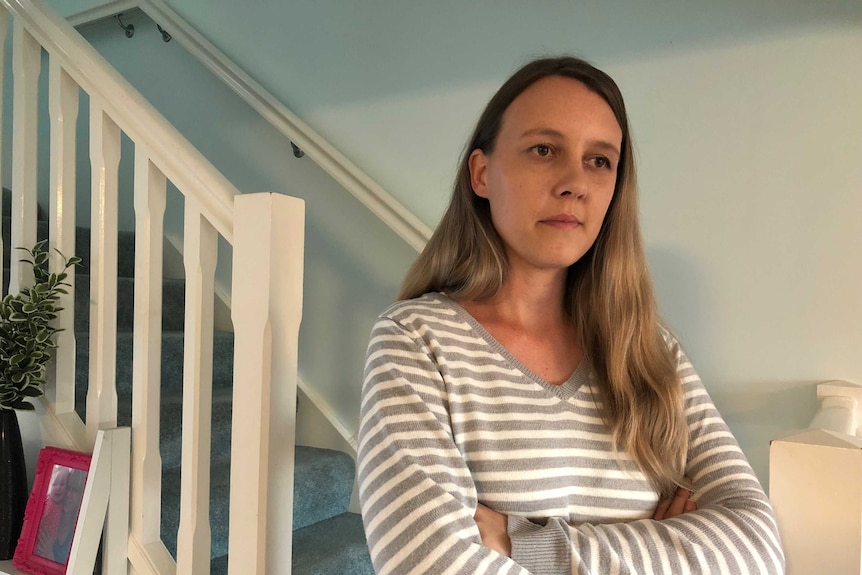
[542,150]
[602,162]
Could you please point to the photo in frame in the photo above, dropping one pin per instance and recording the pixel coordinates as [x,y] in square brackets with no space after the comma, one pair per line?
[52,512]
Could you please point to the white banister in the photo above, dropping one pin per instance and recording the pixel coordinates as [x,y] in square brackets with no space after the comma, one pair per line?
[26,62]
[105,161]
[267,275]
[181,163]
[63,108]
[200,245]
[150,191]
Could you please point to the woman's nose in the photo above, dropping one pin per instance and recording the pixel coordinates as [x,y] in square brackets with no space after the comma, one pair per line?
[573,181]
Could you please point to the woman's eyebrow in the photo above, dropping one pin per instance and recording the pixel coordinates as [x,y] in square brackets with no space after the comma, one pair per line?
[550,132]
[607,147]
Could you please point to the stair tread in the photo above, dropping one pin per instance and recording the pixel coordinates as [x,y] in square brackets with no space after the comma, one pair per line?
[319,495]
[173,359]
[335,547]
[332,547]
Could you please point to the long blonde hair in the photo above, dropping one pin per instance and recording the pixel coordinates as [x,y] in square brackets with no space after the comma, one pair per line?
[609,295]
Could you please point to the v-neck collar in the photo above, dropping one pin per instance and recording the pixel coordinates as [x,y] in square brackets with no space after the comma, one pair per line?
[564,391]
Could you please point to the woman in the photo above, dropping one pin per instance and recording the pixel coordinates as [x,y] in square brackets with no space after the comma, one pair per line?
[60,514]
[523,410]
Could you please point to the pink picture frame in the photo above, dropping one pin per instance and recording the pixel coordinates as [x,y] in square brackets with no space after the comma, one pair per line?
[52,512]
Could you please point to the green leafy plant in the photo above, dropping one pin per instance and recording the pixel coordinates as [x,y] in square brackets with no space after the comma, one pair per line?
[27,330]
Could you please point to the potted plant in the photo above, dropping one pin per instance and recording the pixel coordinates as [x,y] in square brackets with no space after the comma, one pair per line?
[26,341]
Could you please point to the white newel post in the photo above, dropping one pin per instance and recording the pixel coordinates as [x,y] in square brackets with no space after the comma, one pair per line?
[26,62]
[150,190]
[200,244]
[266,311]
[63,106]
[105,161]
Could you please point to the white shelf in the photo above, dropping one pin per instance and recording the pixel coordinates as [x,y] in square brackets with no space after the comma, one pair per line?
[6,568]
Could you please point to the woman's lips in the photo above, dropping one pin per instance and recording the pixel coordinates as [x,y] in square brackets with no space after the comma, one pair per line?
[562,221]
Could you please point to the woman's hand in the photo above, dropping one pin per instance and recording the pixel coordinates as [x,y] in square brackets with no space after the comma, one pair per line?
[493,529]
[680,503]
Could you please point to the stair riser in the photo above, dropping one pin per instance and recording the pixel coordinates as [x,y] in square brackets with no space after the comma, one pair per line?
[125,247]
[172,364]
[173,295]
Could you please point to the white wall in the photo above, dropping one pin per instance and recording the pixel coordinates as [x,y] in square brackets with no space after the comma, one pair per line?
[749,138]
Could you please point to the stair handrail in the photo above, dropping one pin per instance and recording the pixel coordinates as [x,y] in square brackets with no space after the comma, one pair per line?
[356,182]
[140,119]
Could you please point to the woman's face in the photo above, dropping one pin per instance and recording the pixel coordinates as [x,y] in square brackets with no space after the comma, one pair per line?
[551,175]
[60,486]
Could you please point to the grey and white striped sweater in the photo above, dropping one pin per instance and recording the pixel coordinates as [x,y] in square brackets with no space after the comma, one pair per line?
[450,418]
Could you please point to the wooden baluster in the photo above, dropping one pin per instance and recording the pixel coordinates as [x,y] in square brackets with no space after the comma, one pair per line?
[105,160]
[150,190]
[199,254]
[26,62]
[266,312]
[63,106]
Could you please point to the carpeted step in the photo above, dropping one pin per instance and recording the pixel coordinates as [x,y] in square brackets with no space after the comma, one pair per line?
[171,426]
[336,546]
[125,247]
[173,297]
[172,362]
[323,482]
[219,508]
[218,566]
[171,433]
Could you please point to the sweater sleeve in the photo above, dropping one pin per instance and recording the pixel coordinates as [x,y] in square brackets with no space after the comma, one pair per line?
[417,495]
[733,530]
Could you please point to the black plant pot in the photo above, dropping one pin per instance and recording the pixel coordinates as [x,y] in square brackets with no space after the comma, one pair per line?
[13,483]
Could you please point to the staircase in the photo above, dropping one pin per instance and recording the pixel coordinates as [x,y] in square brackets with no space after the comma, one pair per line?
[327,539]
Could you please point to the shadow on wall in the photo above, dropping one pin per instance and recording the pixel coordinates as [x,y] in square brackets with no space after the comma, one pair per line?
[752,409]
[766,409]
[342,299]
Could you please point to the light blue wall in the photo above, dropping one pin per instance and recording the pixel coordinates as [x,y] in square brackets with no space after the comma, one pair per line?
[747,127]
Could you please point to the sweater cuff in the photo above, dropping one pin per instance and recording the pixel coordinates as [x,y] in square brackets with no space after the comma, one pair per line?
[539,549]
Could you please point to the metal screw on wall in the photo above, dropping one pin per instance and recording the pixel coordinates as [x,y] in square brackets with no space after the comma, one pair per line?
[165,36]
[129,29]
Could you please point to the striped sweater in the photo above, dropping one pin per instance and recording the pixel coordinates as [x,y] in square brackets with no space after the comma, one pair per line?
[450,419]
